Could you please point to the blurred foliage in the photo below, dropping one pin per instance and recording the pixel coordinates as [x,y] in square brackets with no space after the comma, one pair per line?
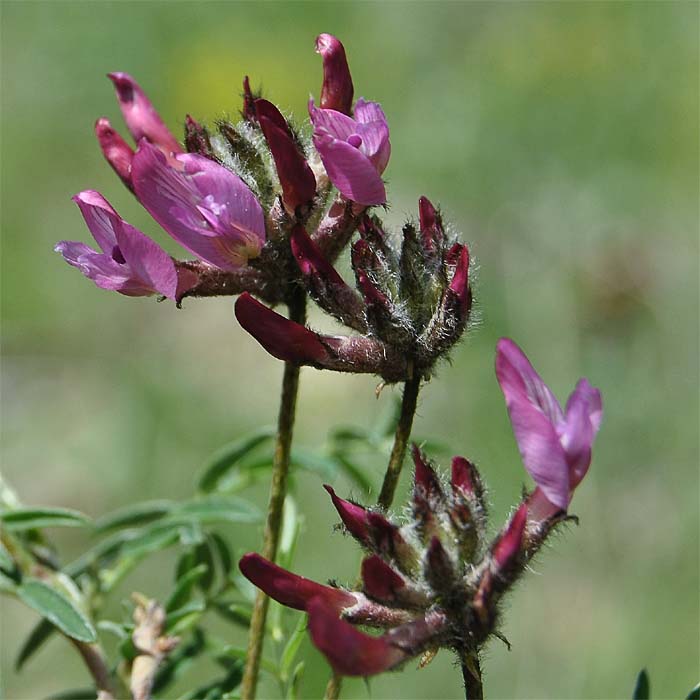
[561,138]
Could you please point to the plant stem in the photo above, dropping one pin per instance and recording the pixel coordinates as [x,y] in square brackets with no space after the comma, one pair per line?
[94,659]
[278,491]
[401,437]
[391,479]
[471,672]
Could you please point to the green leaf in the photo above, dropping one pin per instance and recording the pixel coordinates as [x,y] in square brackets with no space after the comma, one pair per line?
[216,690]
[228,457]
[353,472]
[223,552]
[183,618]
[137,514]
[238,653]
[291,527]
[183,589]
[216,509]
[641,687]
[115,628]
[75,694]
[6,561]
[56,608]
[694,694]
[326,467]
[237,613]
[32,518]
[292,647]
[39,634]
[295,685]
[349,434]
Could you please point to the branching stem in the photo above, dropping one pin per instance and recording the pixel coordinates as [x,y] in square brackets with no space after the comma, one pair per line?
[278,492]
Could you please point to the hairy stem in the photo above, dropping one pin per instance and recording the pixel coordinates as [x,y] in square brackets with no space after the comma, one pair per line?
[401,437]
[278,491]
[391,479]
[471,672]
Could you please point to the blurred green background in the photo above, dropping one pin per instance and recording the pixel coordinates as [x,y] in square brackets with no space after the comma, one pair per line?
[560,138]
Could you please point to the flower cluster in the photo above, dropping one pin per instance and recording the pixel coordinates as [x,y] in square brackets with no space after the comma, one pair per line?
[436,581]
[232,197]
[410,307]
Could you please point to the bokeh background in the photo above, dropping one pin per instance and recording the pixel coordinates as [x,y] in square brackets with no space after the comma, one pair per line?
[560,138]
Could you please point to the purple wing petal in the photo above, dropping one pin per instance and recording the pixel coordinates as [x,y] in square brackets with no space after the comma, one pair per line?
[100,218]
[540,449]
[102,269]
[518,377]
[351,171]
[583,415]
[332,123]
[148,262]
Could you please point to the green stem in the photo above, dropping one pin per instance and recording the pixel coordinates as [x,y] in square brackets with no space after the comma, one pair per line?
[278,492]
[401,437]
[391,479]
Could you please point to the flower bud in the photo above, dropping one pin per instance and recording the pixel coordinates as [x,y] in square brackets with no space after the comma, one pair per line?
[295,176]
[337,89]
[116,151]
[432,233]
[508,546]
[380,581]
[354,517]
[197,138]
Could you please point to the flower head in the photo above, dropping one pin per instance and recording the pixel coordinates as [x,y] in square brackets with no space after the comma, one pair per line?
[130,262]
[555,445]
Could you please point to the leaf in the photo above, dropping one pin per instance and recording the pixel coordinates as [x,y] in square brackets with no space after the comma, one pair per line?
[75,694]
[238,653]
[57,609]
[292,647]
[182,618]
[237,613]
[216,509]
[217,689]
[229,456]
[291,526]
[326,467]
[6,561]
[353,472]
[137,514]
[39,634]
[32,518]
[295,685]
[694,694]
[183,589]
[349,434]
[641,687]
[118,630]
[223,552]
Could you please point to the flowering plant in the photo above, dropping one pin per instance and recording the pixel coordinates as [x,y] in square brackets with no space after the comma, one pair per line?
[267,206]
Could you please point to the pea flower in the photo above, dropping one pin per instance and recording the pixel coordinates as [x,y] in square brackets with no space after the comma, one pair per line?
[130,262]
[555,445]
[205,207]
[354,150]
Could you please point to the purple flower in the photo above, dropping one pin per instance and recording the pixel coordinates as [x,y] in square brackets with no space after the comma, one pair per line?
[555,445]
[116,151]
[141,117]
[354,152]
[205,207]
[130,262]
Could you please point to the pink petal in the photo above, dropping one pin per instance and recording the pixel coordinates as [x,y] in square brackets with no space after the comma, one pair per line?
[337,90]
[352,172]
[518,377]
[140,116]
[100,218]
[206,208]
[292,590]
[116,151]
[380,581]
[148,262]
